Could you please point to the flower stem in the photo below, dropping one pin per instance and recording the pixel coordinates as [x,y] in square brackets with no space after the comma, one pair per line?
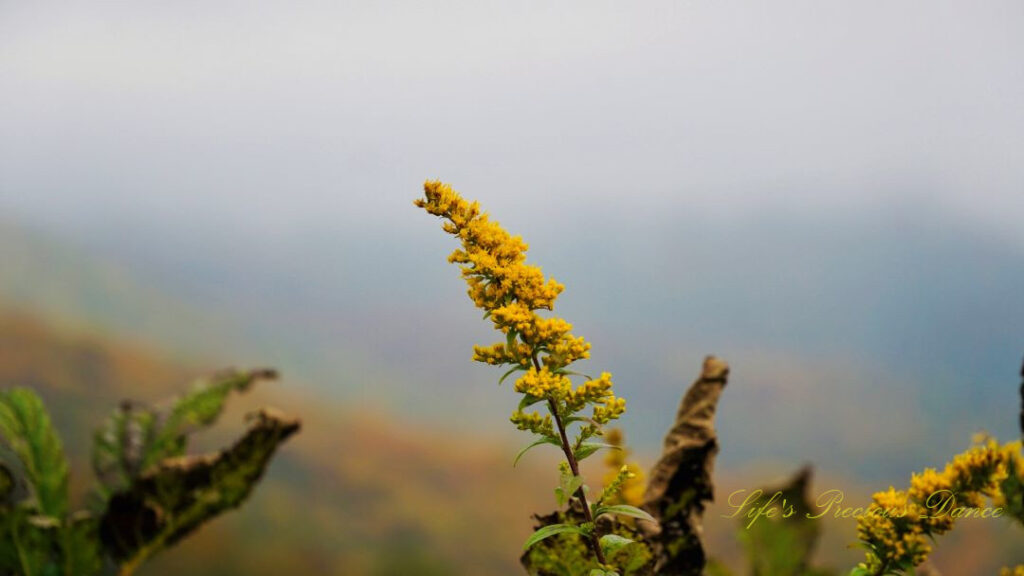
[575,467]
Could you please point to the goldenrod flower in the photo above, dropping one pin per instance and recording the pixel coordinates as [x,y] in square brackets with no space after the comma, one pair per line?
[511,292]
[899,526]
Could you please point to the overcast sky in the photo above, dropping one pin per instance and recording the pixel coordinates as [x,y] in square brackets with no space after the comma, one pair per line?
[292,114]
[816,188]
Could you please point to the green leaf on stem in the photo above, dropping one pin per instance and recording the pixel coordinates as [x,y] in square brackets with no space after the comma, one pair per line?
[572,373]
[623,510]
[509,373]
[570,484]
[510,340]
[528,401]
[545,440]
[549,531]
[612,543]
[588,448]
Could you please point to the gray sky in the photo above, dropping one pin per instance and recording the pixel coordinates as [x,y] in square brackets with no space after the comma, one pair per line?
[830,193]
[291,114]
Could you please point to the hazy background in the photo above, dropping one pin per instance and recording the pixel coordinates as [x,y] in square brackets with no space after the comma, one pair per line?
[827,195]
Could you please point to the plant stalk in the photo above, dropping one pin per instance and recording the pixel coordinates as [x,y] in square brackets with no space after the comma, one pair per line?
[575,467]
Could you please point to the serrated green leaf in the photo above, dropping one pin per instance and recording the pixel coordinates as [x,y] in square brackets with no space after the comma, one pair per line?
[623,510]
[176,497]
[135,438]
[545,440]
[119,447]
[198,409]
[549,531]
[26,428]
[612,543]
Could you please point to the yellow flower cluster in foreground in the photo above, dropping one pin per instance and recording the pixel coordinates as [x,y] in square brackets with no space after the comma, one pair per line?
[899,525]
[511,292]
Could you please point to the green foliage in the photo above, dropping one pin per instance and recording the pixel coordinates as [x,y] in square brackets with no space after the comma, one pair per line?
[1012,489]
[551,530]
[782,544]
[178,495]
[150,495]
[545,440]
[612,543]
[26,428]
[624,510]
[135,438]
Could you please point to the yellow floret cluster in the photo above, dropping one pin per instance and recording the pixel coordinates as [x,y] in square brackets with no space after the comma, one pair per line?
[511,292]
[533,422]
[900,525]
[544,383]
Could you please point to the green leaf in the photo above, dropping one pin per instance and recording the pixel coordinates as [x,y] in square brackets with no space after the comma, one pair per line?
[571,373]
[81,546]
[568,486]
[136,438]
[27,541]
[528,401]
[549,531]
[26,428]
[612,543]
[545,440]
[510,340]
[120,445]
[586,449]
[623,510]
[570,419]
[509,373]
[198,409]
[784,544]
[173,499]
[574,485]
[6,483]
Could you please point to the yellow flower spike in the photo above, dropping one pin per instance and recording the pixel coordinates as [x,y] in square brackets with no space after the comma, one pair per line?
[511,292]
[900,524]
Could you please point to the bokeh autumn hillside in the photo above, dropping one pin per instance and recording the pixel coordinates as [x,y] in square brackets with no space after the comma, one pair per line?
[349,495]
[355,494]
